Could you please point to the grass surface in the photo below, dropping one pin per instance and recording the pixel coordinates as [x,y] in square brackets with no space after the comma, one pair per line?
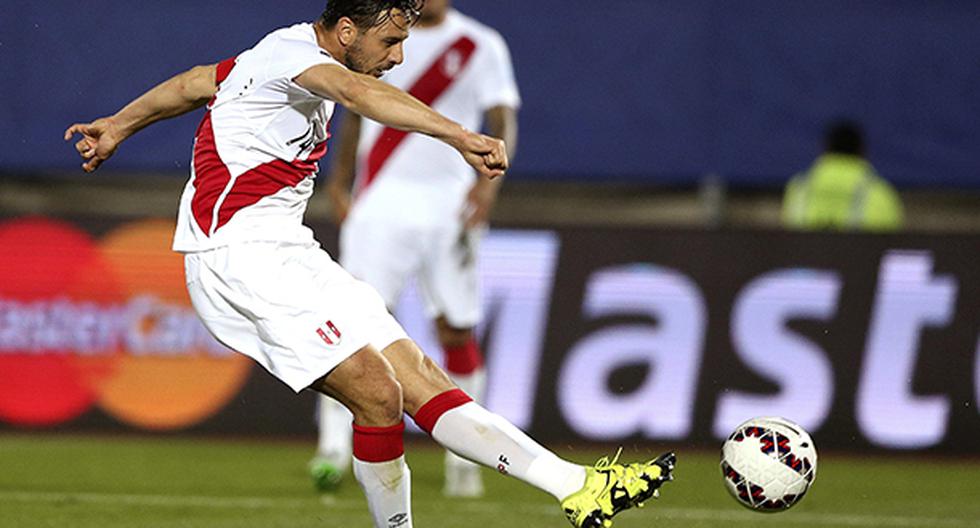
[108,482]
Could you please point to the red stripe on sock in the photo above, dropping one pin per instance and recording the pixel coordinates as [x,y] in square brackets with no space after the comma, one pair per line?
[430,413]
[379,444]
[464,360]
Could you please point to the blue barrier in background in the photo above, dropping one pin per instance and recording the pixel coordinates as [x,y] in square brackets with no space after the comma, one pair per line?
[652,91]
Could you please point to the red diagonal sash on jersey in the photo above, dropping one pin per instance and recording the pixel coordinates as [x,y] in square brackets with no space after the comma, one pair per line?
[210,172]
[211,175]
[447,67]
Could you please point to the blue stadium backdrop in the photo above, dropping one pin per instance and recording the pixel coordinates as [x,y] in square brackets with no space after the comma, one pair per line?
[653,91]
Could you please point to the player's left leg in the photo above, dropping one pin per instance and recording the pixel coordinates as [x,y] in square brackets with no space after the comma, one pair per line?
[590,497]
[459,424]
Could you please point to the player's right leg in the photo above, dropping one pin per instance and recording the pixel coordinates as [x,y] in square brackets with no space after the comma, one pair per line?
[590,497]
[366,247]
[365,384]
[297,313]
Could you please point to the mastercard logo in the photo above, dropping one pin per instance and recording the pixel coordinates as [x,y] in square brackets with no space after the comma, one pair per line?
[105,324]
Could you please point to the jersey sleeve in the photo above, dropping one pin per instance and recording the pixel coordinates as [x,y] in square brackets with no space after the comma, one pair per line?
[498,86]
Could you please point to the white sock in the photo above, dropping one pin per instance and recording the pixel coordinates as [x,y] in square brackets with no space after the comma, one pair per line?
[334,424]
[388,488]
[481,436]
[473,384]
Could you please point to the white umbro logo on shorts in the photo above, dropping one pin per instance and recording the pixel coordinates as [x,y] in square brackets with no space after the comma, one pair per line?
[329,333]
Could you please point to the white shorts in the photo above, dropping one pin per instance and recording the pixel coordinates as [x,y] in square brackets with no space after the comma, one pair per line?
[291,308]
[443,260]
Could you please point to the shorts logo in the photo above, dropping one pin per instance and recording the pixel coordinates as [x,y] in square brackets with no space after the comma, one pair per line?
[329,333]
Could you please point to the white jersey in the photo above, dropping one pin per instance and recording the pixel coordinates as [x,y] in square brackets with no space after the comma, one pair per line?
[256,150]
[461,68]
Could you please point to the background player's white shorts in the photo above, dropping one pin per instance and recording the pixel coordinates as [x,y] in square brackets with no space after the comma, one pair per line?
[291,308]
[386,253]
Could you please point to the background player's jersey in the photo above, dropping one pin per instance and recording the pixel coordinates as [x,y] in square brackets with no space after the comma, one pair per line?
[462,69]
[256,150]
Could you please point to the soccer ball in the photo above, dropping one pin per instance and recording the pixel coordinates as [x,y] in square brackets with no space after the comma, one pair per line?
[768,464]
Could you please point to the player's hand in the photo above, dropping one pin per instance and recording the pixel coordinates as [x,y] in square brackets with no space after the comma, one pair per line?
[99,142]
[479,203]
[485,154]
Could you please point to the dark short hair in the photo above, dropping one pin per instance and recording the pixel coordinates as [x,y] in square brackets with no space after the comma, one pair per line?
[844,136]
[369,13]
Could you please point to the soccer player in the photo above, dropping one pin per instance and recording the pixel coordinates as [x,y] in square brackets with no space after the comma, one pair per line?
[420,210]
[262,285]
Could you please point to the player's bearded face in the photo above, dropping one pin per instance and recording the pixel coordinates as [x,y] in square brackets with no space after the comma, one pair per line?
[378,49]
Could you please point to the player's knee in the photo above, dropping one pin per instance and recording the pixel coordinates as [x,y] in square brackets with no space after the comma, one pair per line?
[381,402]
[387,399]
[430,381]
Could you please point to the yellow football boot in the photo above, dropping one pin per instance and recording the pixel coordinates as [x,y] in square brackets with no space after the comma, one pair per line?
[611,488]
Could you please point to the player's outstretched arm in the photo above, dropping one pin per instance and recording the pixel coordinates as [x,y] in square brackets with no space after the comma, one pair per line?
[386,104]
[178,95]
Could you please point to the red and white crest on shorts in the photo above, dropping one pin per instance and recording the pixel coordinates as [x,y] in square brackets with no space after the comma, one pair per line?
[329,333]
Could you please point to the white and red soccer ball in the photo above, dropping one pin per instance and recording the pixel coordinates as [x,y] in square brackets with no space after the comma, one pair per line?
[768,464]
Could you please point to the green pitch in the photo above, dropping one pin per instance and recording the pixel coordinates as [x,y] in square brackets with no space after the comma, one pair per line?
[108,482]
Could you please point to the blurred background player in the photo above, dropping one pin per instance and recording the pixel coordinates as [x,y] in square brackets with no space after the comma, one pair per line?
[417,199]
[842,191]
